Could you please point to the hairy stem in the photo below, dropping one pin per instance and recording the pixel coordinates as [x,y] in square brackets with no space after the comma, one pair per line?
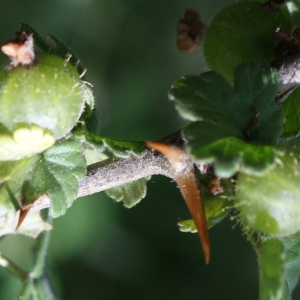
[116,171]
[41,251]
[13,268]
[113,172]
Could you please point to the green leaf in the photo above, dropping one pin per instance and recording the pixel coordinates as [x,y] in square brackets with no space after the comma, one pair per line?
[88,140]
[8,168]
[224,120]
[56,174]
[16,176]
[37,289]
[125,148]
[292,262]
[232,155]
[279,261]
[89,99]
[216,207]
[271,262]
[208,99]
[188,226]
[109,146]
[291,108]
[12,190]
[131,193]
[256,87]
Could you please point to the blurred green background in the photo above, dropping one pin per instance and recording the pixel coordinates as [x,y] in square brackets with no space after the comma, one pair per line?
[99,249]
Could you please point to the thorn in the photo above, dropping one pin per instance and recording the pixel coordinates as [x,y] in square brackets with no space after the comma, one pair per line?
[173,153]
[22,216]
[187,181]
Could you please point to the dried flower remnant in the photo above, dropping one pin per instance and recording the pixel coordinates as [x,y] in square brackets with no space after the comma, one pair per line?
[20,50]
[190,31]
[215,187]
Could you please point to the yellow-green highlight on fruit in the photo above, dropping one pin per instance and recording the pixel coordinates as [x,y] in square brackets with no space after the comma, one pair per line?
[271,203]
[24,142]
[49,94]
[241,32]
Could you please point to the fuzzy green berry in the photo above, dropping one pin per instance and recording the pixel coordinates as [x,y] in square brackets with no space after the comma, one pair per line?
[39,103]
[271,203]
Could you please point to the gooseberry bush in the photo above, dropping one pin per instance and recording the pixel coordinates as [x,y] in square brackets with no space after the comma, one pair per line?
[236,156]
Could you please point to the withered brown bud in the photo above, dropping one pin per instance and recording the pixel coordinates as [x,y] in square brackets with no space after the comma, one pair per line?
[20,50]
[190,31]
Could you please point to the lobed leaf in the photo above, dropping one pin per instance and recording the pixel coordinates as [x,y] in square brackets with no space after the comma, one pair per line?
[109,146]
[216,206]
[271,262]
[56,174]
[232,155]
[224,120]
[291,108]
[131,193]
[188,226]
[9,168]
[16,176]
[125,148]
[279,261]
[12,191]
[292,262]
[256,87]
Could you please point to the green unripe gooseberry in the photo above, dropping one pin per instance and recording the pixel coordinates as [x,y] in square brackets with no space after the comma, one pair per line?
[47,94]
[39,104]
[271,203]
